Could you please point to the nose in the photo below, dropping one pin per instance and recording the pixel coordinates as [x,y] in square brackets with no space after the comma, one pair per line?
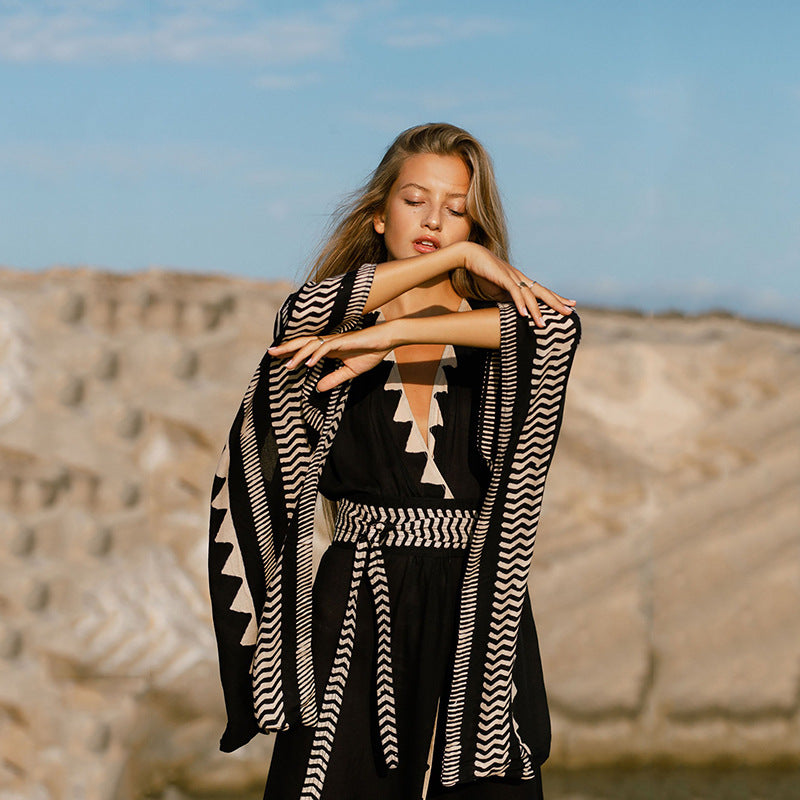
[431,219]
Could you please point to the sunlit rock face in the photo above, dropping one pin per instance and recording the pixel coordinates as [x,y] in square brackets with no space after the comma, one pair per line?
[666,574]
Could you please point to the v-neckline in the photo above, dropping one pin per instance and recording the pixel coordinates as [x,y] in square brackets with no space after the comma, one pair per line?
[434,412]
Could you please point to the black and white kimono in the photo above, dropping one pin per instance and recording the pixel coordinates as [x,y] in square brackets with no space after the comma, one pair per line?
[261,539]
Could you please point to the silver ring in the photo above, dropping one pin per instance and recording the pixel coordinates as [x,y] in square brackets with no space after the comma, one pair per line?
[523,285]
[320,338]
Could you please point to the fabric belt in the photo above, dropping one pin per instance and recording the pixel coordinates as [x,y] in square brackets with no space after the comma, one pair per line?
[371,528]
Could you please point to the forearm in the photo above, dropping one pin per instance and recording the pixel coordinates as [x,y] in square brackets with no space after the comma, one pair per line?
[392,278]
[479,328]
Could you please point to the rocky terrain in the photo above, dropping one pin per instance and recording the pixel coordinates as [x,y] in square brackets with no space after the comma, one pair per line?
[666,577]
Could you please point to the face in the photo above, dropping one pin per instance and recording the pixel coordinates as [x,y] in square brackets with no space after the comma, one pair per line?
[426,206]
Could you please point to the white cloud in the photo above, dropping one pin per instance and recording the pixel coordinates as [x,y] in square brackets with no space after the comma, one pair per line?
[435,31]
[91,30]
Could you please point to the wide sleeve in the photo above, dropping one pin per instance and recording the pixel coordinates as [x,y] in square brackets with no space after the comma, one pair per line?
[322,306]
[529,379]
[246,524]
[254,492]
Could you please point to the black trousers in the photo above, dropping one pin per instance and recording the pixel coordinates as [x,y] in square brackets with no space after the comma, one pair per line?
[424,588]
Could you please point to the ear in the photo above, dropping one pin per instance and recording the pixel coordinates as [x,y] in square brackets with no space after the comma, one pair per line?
[379,222]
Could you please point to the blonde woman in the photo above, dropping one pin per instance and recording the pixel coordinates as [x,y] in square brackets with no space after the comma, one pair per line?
[417,385]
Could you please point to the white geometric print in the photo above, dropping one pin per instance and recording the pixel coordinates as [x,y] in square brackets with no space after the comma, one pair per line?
[233,566]
[481,735]
[415,443]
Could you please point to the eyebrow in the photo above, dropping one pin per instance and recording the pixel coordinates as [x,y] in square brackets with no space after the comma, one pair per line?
[425,189]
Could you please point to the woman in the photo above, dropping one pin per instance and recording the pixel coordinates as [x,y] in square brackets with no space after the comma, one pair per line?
[416,385]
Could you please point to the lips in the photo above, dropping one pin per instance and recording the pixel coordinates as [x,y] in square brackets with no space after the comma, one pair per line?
[426,244]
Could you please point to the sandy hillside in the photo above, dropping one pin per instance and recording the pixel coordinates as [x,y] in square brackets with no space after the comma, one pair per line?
[666,577]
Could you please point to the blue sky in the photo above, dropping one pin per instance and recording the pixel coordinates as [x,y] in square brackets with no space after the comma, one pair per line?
[648,153]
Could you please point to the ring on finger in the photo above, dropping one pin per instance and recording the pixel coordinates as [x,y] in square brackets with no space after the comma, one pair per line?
[523,284]
[321,339]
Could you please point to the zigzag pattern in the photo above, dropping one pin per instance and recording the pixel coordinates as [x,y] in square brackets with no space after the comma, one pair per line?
[481,700]
[300,469]
[304,577]
[371,527]
[285,386]
[265,670]
[517,534]
[312,307]
[415,443]
[234,564]
[501,372]
[251,463]
[522,505]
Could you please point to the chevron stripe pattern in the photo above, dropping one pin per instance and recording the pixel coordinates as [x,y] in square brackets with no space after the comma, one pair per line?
[275,412]
[260,556]
[234,564]
[540,384]
[370,528]
[525,488]
[318,304]
[501,373]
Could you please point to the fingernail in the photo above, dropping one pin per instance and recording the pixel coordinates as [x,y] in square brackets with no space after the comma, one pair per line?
[525,312]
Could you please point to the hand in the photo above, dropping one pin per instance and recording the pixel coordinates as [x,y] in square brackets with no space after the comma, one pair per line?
[359,352]
[492,273]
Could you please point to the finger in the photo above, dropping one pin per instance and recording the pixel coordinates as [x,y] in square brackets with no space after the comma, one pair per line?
[536,313]
[532,306]
[335,378]
[290,345]
[525,285]
[303,353]
[320,352]
[551,298]
[284,348]
[517,297]
[554,300]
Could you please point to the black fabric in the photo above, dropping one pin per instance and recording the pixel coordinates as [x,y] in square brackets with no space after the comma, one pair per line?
[368,462]
[261,529]
[424,586]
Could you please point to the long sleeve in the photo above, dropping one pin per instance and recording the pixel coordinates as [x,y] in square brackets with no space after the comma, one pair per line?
[259,556]
[525,391]
[322,306]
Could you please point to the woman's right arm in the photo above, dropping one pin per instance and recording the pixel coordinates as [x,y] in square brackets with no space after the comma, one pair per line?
[392,278]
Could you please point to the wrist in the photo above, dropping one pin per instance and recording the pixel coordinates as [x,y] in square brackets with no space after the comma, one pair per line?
[461,254]
[398,331]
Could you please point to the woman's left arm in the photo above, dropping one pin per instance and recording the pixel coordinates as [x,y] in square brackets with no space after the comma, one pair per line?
[364,349]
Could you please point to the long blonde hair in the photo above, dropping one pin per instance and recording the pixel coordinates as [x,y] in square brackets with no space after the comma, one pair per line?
[352,241]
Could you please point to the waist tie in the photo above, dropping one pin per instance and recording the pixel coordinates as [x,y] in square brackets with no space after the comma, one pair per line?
[370,528]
